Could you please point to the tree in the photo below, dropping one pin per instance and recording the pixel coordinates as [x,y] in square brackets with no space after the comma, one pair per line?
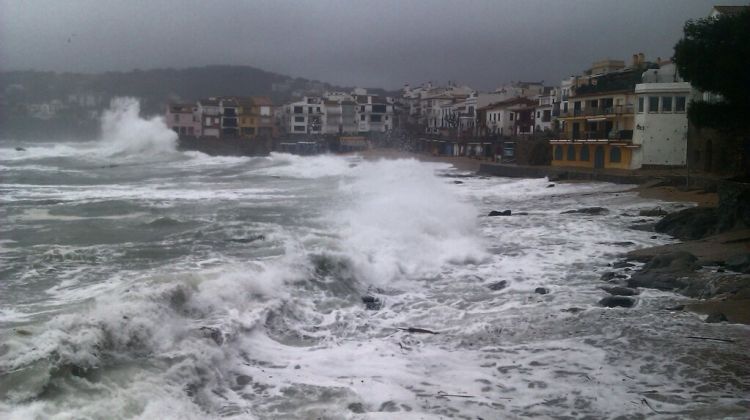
[714,56]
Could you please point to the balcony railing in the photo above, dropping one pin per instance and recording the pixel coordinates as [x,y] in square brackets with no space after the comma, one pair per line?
[599,111]
[620,135]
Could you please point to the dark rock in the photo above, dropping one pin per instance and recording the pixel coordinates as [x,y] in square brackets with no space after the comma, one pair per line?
[689,224]
[458,182]
[654,237]
[573,310]
[243,380]
[593,211]
[20,149]
[668,271]
[739,263]
[734,204]
[541,290]
[675,308]
[644,227]
[498,285]
[716,317]
[622,264]
[356,408]
[657,212]
[622,243]
[609,275]
[248,239]
[213,333]
[499,213]
[617,302]
[619,290]
[372,303]
[550,185]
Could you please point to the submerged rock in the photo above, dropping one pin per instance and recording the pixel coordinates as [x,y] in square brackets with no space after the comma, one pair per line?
[617,302]
[622,264]
[550,185]
[716,317]
[372,303]
[499,213]
[541,290]
[657,212]
[619,290]
[20,149]
[689,224]
[593,211]
[498,285]
[458,182]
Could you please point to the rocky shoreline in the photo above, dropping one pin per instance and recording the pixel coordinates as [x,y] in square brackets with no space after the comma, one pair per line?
[710,267]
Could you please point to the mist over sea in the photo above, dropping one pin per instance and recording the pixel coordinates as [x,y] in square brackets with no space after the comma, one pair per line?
[142,282]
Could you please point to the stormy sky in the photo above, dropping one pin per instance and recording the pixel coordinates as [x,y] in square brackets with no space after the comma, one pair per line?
[374,43]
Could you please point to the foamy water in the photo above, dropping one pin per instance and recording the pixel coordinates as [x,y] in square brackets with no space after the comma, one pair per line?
[199,287]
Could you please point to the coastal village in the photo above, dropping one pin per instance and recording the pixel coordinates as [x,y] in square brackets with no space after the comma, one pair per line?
[614,115]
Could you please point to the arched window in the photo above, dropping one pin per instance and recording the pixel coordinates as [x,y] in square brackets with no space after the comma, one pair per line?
[571,152]
[558,152]
[585,153]
[615,154]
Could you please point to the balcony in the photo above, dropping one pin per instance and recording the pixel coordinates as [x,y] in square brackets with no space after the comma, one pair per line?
[620,135]
[599,111]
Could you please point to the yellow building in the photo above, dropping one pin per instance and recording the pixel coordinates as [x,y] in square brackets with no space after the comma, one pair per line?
[597,127]
[255,117]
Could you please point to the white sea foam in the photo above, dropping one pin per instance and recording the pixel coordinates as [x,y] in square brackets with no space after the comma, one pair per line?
[126,133]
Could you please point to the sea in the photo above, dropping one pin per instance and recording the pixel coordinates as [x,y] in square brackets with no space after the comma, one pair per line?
[138,281]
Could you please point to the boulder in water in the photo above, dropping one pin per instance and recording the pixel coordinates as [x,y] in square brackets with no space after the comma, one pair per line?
[716,317]
[592,211]
[541,290]
[619,290]
[657,212]
[498,285]
[20,149]
[689,224]
[372,303]
[617,302]
[499,213]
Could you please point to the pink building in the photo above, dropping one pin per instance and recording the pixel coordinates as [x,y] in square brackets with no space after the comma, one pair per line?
[184,119]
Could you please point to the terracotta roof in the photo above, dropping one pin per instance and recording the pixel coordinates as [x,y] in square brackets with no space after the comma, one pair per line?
[510,102]
[262,101]
[209,102]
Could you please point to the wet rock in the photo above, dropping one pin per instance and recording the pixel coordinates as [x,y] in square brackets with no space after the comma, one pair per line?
[657,212]
[573,310]
[499,213]
[668,271]
[356,408]
[609,275]
[716,317]
[619,290]
[498,285]
[739,263]
[643,227]
[617,302]
[243,380]
[541,290]
[458,182]
[248,239]
[550,185]
[21,331]
[593,211]
[622,264]
[20,149]
[689,224]
[675,308]
[372,303]
[213,333]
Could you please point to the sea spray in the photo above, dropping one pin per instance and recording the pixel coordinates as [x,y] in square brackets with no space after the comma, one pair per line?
[403,221]
[125,133]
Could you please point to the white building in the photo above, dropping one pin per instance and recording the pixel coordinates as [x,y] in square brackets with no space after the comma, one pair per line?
[544,108]
[661,122]
[305,116]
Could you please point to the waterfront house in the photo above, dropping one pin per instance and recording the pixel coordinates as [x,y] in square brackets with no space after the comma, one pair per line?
[661,124]
[184,119]
[229,123]
[304,116]
[597,128]
[500,117]
[210,115]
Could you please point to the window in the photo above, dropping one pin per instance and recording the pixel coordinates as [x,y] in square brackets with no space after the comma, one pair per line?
[298,110]
[585,153]
[679,104]
[376,118]
[299,119]
[571,152]
[362,108]
[309,110]
[362,117]
[511,116]
[558,152]
[386,118]
[565,107]
[538,114]
[640,105]
[379,109]
[666,104]
[547,116]
[653,104]
[299,128]
[176,117]
[615,155]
